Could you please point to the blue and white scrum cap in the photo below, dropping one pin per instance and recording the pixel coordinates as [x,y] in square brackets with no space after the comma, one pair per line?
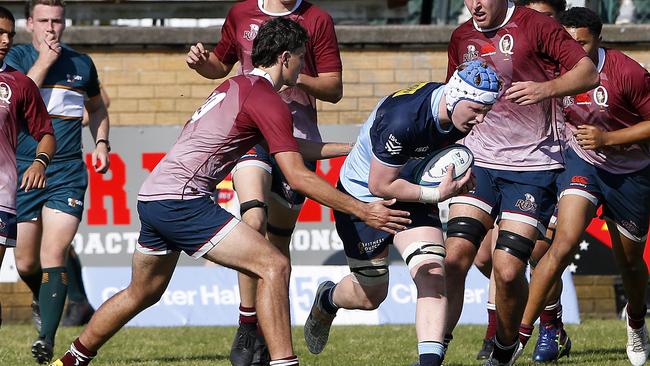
[474,81]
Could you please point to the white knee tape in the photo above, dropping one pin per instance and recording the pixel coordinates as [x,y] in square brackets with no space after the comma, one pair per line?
[369,272]
[420,251]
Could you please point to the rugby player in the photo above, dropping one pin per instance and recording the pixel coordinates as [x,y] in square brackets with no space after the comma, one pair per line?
[177,213]
[403,129]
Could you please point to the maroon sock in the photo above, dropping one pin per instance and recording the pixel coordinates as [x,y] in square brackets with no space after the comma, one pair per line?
[77,355]
[525,332]
[247,315]
[492,321]
[287,361]
[636,321]
[552,314]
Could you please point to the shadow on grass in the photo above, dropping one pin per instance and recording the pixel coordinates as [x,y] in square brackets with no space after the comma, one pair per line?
[138,361]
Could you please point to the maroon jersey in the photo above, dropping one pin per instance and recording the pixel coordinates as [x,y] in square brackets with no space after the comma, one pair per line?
[237,115]
[322,52]
[528,46]
[622,100]
[21,108]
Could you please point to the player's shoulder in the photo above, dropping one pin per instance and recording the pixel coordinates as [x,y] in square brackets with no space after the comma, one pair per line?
[314,12]
[466,28]
[242,7]
[619,64]
[526,17]
[71,53]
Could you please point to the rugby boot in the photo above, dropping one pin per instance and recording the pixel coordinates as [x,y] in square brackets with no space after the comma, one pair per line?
[77,314]
[552,343]
[494,362]
[637,343]
[261,355]
[36,315]
[486,349]
[317,326]
[42,350]
[243,346]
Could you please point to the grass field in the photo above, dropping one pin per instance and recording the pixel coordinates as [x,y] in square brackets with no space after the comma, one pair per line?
[594,343]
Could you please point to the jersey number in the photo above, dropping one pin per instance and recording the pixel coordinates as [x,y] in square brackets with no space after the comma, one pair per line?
[214,99]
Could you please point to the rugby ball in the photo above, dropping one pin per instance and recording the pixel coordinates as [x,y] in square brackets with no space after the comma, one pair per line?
[433,168]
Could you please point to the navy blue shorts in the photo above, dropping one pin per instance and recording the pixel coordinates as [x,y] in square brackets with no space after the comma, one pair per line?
[8,229]
[625,197]
[527,197]
[193,226]
[363,242]
[64,191]
[280,189]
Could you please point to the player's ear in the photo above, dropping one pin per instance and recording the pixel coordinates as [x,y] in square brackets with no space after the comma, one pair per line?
[284,58]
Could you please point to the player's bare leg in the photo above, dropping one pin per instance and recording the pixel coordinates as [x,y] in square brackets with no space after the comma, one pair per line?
[28,262]
[252,185]
[629,258]
[483,262]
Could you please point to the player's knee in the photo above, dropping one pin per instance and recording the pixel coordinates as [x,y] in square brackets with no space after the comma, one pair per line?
[424,257]
[514,244]
[467,228]
[507,276]
[369,273]
[254,214]
[372,297]
[277,268]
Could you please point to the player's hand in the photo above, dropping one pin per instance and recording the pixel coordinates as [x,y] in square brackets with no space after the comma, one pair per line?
[197,56]
[527,92]
[379,216]
[591,137]
[50,49]
[100,159]
[34,177]
[449,187]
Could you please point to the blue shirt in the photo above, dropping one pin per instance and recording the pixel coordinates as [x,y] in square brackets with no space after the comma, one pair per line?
[69,82]
[401,130]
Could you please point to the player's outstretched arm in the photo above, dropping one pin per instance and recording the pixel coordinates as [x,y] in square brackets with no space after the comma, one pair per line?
[376,214]
[314,150]
[34,177]
[206,63]
[581,78]
[327,86]
[99,126]
[592,138]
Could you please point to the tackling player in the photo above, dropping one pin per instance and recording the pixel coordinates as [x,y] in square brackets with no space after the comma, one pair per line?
[608,163]
[517,152]
[257,177]
[403,129]
[177,213]
[21,109]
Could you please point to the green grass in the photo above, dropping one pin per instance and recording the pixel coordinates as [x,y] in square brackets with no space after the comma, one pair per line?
[594,343]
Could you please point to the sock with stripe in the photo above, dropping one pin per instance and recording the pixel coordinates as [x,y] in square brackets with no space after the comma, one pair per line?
[247,315]
[431,353]
[77,355]
[552,314]
[54,288]
[636,321]
[287,361]
[502,353]
[491,329]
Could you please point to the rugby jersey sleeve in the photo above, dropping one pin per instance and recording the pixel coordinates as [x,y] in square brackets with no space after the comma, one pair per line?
[272,117]
[637,80]
[34,111]
[553,40]
[390,140]
[226,49]
[326,49]
[15,59]
[92,89]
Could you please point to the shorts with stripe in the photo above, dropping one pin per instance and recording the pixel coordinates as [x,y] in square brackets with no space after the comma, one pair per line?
[8,229]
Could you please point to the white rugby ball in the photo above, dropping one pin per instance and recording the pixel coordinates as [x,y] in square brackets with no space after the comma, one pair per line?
[433,169]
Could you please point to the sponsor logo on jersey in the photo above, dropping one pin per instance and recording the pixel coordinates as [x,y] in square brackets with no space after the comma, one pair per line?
[630,226]
[527,204]
[583,99]
[252,32]
[72,202]
[506,44]
[421,149]
[71,78]
[601,96]
[393,146]
[568,101]
[410,90]
[5,93]
[3,226]
[471,53]
[488,49]
[579,180]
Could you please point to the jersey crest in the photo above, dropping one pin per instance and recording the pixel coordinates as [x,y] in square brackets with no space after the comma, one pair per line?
[506,44]
[471,53]
[5,93]
[600,97]
[251,33]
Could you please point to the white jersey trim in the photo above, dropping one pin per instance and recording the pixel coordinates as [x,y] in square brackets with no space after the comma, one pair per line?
[63,102]
[260,5]
[581,193]
[513,216]
[509,12]
[4,66]
[601,59]
[264,74]
[217,238]
[468,200]
[252,162]
[7,242]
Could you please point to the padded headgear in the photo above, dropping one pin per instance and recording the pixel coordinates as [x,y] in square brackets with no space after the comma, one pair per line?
[474,81]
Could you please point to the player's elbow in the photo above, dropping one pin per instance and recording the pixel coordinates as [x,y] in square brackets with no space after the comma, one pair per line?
[377,188]
[337,94]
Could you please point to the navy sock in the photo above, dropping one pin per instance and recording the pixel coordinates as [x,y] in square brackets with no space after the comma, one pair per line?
[431,353]
[326,301]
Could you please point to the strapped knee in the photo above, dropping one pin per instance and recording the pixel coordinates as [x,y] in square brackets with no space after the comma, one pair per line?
[467,228]
[515,244]
[245,206]
[369,272]
[420,251]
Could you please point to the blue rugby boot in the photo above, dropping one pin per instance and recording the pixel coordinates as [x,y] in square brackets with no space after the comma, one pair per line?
[552,344]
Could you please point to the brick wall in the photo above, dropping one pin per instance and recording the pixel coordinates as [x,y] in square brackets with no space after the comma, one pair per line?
[158,88]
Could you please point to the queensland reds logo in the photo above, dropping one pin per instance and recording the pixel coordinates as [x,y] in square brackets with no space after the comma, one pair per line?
[252,32]
[5,92]
[568,101]
[506,44]
[600,96]
[527,204]
[471,53]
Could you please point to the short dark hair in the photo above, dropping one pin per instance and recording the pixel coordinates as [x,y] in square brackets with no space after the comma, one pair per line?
[579,17]
[557,5]
[6,14]
[274,37]
[30,4]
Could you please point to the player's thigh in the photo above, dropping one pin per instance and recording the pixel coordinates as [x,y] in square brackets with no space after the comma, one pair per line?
[28,246]
[422,249]
[150,274]
[59,228]
[246,250]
